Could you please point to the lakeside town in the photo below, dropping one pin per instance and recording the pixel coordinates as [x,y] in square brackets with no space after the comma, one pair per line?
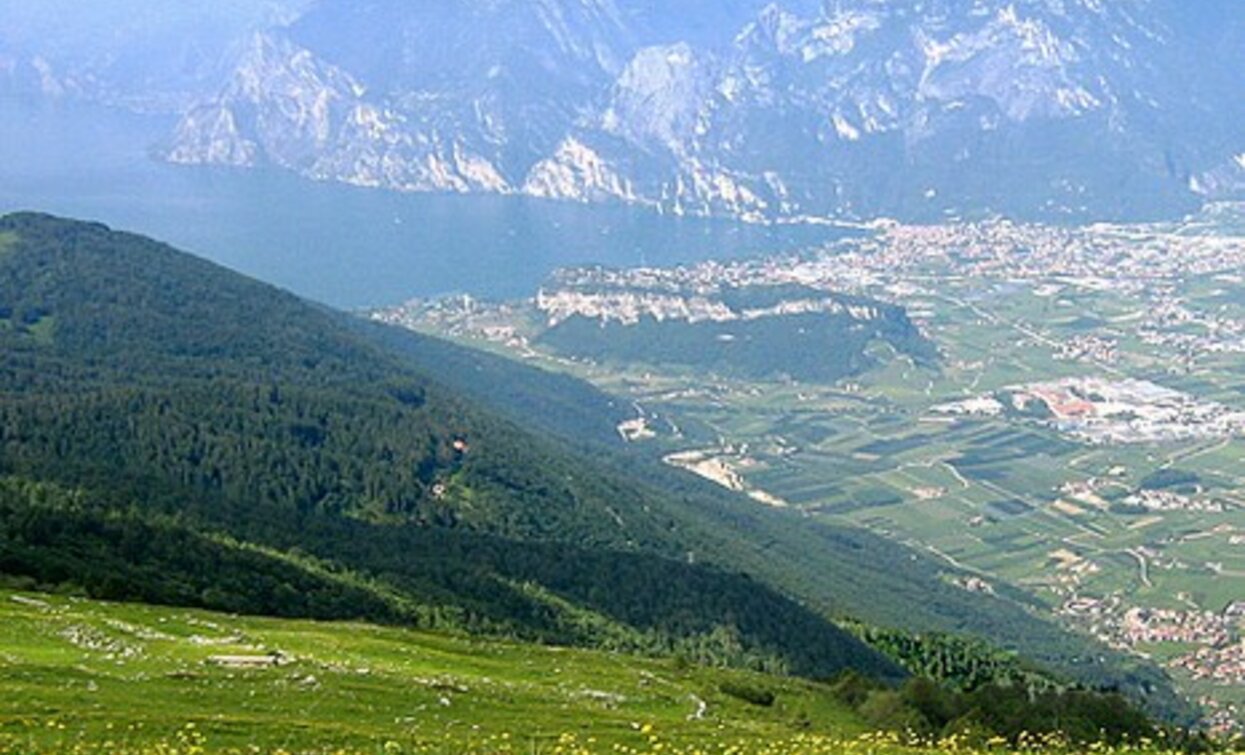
[913,266]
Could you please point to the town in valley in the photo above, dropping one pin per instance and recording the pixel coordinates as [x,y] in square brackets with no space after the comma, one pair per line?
[1077,435]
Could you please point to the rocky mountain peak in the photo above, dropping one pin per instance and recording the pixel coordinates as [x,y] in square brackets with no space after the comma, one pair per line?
[791,107]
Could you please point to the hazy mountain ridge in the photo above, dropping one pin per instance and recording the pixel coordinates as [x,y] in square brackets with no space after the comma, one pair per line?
[155,58]
[859,108]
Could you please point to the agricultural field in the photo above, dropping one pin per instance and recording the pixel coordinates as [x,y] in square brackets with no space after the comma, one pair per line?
[1080,436]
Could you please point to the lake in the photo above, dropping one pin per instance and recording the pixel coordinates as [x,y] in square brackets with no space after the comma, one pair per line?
[341,245]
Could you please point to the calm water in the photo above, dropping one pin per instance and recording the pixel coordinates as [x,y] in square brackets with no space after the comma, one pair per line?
[341,245]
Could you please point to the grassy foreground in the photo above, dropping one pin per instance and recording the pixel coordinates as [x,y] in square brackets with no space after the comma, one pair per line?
[98,677]
[81,676]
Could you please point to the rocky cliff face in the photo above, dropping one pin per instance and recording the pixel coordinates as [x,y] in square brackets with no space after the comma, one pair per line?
[847,108]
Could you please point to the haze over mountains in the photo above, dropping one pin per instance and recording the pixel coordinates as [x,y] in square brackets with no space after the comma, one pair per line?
[134,54]
[1039,107]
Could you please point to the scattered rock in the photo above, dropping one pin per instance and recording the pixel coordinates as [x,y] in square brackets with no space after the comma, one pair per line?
[32,602]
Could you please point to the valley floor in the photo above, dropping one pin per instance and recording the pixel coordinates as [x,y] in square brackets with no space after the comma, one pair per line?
[1121,510]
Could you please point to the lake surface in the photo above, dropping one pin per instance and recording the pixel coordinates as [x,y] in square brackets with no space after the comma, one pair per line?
[341,245]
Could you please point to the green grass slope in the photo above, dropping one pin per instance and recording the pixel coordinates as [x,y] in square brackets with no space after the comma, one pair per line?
[85,674]
[96,678]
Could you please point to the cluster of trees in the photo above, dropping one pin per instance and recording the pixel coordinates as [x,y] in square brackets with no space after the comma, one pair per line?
[960,663]
[55,539]
[329,567]
[925,709]
[966,687]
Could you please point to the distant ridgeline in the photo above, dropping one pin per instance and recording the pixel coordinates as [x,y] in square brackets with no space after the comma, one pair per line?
[172,432]
[752,331]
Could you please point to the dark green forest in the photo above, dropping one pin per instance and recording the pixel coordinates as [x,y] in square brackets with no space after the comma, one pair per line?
[1015,715]
[179,434]
[959,663]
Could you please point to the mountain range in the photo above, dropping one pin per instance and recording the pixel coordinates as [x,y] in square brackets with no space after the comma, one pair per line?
[846,109]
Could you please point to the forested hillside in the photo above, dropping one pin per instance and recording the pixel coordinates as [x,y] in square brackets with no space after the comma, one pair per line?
[746,332]
[172,432]
[175,433]
[840,570]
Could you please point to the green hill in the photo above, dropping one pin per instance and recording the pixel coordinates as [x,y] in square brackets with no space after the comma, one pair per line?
[76,675]
[760,340]
[175,433]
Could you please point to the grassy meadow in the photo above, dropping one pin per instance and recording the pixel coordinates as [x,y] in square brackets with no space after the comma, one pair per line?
[94,678]
[84,676]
